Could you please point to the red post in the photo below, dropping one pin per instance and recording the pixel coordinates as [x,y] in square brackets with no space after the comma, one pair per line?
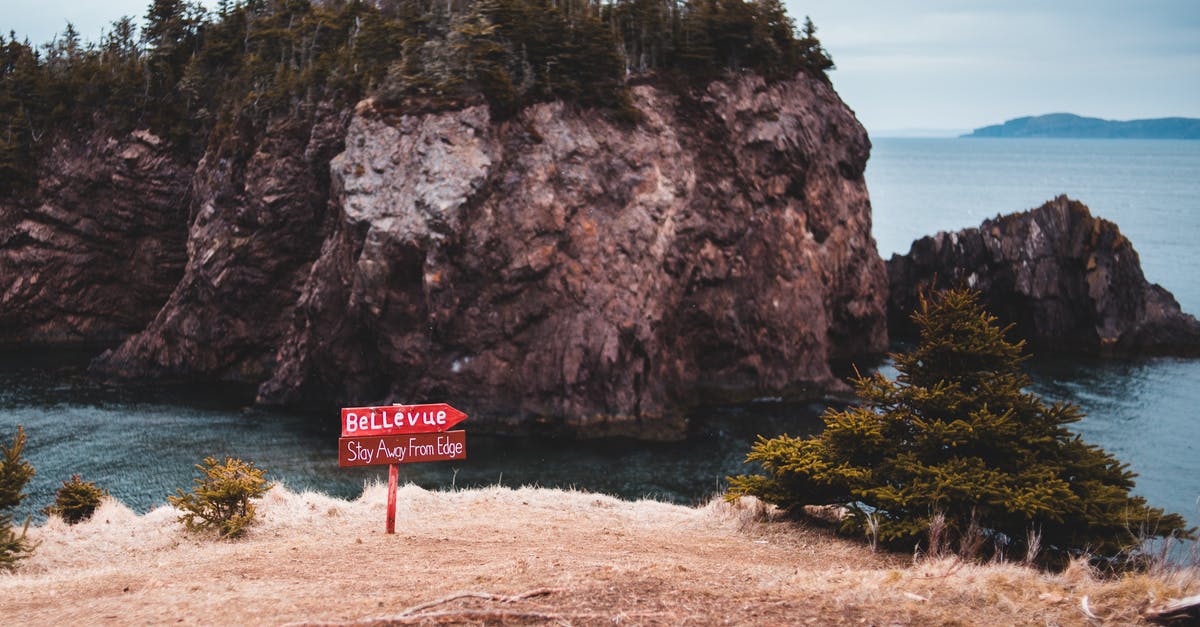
[393,479]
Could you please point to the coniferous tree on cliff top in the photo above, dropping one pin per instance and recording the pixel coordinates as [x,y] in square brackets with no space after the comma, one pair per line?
[196,78]
[957,436]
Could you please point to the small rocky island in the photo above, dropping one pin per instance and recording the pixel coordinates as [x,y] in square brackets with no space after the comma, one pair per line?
[1068,281]
[1069,125]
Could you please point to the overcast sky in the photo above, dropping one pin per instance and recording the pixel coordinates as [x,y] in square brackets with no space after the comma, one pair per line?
[960,64]
[934,64]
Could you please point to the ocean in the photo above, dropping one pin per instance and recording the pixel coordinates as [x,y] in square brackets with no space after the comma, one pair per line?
[141,444]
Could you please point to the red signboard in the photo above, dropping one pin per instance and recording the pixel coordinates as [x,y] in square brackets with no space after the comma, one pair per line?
[400,434]
[372,450]
[399,419]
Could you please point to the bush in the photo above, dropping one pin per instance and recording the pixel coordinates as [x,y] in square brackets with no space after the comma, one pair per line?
[14,474]
[221,498]
[76,500]
[957,439]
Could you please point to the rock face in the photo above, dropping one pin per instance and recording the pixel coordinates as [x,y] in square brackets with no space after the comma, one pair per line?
[561,268]
[256,223]
[93,253]
[552,270]
[1068,280]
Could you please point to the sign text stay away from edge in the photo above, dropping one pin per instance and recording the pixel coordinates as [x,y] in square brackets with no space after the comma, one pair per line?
[401,449]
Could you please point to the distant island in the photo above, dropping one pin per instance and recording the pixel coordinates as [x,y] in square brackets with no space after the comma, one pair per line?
[1075,126]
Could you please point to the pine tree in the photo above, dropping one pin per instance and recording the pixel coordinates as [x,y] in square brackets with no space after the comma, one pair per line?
[15,472]
[221,498]
[956,436]
[812,55]
[76,500]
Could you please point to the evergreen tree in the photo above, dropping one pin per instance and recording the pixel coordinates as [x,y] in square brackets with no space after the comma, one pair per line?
[221,498]
[192,77]
[76,500]
[15,472]
[16,173]
[20,90]
[732,33]
[486,60]
[695,54]
[957,436]
[811,54]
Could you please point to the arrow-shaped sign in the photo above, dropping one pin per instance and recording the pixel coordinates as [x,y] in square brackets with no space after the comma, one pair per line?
[399,419]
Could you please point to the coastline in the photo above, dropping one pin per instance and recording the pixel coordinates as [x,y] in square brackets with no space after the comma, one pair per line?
[528,556]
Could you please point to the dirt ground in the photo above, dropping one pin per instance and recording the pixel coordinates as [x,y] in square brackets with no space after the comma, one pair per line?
[528,556]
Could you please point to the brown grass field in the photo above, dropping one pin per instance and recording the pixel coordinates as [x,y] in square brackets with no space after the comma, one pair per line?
[530,556]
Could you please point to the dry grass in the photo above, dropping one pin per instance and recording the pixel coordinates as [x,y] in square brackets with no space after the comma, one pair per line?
[529,556]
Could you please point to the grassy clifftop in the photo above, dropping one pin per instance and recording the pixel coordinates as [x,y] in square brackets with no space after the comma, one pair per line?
[529,556]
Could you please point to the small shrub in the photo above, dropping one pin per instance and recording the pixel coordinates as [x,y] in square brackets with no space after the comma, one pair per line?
[76,500]
[221,498]
[14,474]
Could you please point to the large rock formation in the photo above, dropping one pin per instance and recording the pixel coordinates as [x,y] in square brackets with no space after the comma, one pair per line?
[561,266]
[91,255]
[555,268]
[1068,280]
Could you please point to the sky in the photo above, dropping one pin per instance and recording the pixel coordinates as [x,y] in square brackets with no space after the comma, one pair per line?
[942,64]
[926,67]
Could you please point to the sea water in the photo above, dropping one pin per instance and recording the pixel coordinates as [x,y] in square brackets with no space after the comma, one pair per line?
[142,443]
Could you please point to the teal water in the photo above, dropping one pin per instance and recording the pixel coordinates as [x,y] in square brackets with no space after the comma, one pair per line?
[142,444]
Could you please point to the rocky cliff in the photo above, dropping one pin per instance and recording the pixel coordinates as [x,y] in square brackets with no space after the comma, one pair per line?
[562,268]
[257,216]
[1066,279]
[554,268]
[92,254]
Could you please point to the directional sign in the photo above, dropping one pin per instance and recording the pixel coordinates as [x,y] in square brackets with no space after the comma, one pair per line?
[399,419]
[373,450]
[400,434]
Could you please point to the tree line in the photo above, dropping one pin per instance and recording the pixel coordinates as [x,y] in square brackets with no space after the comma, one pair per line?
[189,73]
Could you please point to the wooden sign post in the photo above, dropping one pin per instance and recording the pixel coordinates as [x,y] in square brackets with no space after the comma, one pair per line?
[400,434]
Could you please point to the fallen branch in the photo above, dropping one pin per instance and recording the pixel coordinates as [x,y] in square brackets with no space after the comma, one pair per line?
[956,564]
[488,616]
[1181,610]
[486,596]
[494,616]
[1087,610]
[413,615]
